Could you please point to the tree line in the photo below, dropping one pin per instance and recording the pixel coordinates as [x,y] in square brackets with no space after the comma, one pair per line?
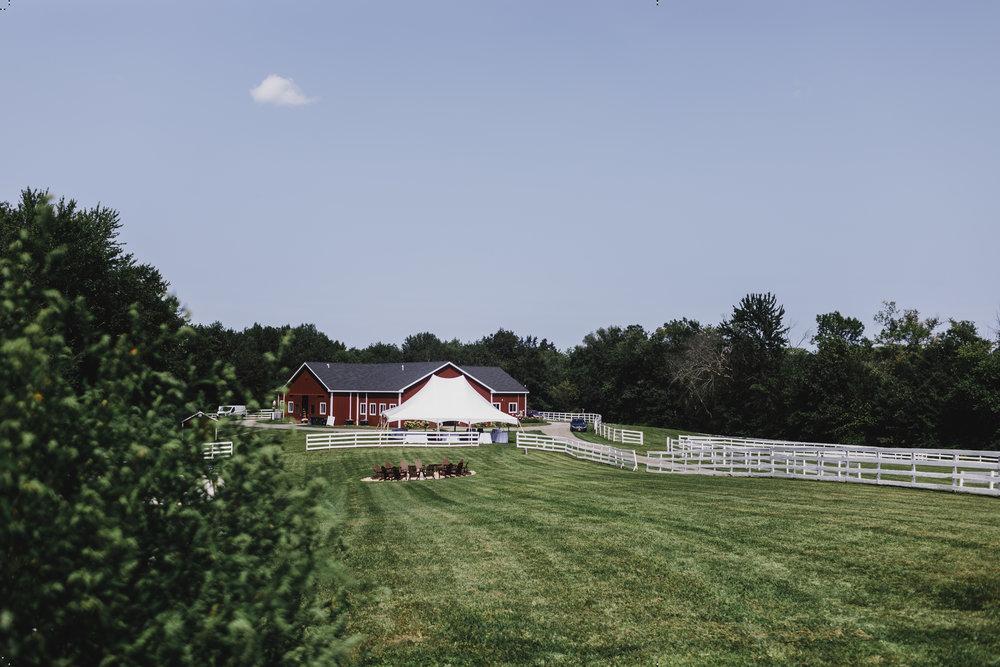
[914,382]
[917,382]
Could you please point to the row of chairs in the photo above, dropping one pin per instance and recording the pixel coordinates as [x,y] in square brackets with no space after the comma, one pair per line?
[417,470]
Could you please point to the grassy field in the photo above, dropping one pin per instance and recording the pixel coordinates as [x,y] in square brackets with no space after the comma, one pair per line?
[545,559]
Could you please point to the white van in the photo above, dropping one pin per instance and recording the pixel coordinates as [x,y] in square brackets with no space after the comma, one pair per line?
[231,411]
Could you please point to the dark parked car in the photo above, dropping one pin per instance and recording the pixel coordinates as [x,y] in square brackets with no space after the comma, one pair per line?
[578,424]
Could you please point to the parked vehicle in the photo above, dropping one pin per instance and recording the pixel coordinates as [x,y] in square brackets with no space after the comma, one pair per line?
[578,424]
[231,411]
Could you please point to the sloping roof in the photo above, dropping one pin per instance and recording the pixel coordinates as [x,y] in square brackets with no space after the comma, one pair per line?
[447,400]
[495,378]
[398,376]
[200,415]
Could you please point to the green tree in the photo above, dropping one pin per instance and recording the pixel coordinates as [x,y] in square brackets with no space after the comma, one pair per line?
[118,544]
[91,263]
[755,338]
[830,398]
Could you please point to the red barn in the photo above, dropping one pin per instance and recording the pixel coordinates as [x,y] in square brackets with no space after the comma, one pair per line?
[358,393]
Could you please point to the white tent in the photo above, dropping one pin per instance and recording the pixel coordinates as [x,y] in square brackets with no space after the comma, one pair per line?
[448,400]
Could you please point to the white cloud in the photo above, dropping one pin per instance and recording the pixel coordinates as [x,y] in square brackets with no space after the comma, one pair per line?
[279,91]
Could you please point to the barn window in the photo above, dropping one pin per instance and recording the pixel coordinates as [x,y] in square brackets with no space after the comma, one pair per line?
[381,408]
[371,409]
[497,406]
[392,405]
[363,409]
[512,408]
[322,408]
[291,407]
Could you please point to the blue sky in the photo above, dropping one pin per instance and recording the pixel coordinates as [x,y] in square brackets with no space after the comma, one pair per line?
[549,167]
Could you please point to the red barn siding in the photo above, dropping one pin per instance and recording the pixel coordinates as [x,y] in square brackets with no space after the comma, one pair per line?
[345,405]
[305,385]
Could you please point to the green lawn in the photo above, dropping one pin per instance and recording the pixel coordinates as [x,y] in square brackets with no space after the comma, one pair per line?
[546,559]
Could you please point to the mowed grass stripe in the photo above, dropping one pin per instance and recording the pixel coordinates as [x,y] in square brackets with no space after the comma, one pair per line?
[543,558]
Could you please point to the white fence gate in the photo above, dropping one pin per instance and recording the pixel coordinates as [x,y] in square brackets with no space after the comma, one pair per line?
[622,435]
[613,456]
[367,438]
[965,471]
[214,450]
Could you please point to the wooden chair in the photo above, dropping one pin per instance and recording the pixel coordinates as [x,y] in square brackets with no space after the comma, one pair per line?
[420,469]
[376,472]
[430,471]
[396,474]
[460,468]
[447,468]
[405,469]
[412,471]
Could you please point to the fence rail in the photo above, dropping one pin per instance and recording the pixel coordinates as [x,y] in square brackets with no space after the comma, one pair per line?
[265,415]
[364,438]
[622,435]
[965,471]
[606,454]
[214,450]
[589,417]
[692,441]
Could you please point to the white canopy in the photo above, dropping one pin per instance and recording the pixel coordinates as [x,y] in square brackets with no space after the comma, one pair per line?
[448,400]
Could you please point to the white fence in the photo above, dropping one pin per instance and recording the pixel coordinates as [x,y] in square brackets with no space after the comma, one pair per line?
[620,458]
[265,415]
[622,435]
[590,417]
[367,438]
[966,471]
[214,450]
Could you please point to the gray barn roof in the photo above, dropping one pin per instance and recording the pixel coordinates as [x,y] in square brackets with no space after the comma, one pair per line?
[397,376]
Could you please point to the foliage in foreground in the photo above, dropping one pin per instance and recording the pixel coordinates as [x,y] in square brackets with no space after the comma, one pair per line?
[112,547]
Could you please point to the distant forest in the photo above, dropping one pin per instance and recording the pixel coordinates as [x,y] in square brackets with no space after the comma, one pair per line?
[916,382]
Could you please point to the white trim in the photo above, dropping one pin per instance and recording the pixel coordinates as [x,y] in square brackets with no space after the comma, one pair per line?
[372,409]
[322,408]
[291,407]
[381,409]
[515,409]
[362,410]
[423,377]
[305,364]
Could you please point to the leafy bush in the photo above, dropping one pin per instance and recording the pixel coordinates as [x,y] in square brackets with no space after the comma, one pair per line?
[112,548]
